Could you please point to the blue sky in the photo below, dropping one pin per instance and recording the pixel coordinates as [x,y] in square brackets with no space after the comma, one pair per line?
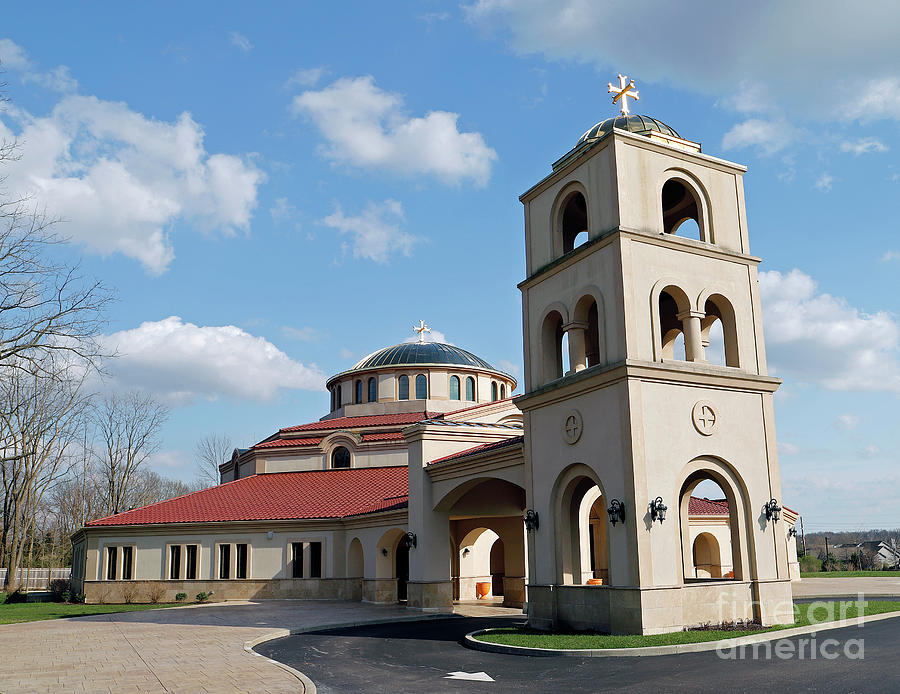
[275,192]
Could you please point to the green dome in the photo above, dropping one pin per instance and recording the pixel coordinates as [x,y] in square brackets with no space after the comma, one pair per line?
[635,124]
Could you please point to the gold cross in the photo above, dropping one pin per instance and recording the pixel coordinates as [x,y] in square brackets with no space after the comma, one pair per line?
[623,92]
[421,328]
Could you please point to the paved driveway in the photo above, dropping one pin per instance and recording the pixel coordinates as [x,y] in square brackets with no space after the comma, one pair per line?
[192,649]
[833,587]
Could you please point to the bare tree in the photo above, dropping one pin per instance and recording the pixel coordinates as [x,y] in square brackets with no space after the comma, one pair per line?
[128,431]
[41,413]
[211,451]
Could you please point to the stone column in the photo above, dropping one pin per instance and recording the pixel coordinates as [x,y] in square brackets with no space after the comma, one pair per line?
[577,346]
[693,341]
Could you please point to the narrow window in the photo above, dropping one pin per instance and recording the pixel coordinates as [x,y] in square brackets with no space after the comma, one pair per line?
[470,389]
[357,392]
[503,391]
[421,387]
[373,390]
[175,562]
[240,556]
[403,387]
[493,391]
[315,560]
[111,563]
[454,387]
[224,561]
[681,210]
[340,458]
[574,222]
[338,400]
[190,569]
[297,559]
[127,562]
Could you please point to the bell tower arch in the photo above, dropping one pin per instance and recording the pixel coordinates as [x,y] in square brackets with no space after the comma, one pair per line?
[666,372]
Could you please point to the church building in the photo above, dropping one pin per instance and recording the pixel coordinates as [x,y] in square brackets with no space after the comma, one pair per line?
[583,499]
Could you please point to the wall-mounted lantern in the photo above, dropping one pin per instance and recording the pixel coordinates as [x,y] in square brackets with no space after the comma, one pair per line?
[772,510]
[658,510]
[792,532]
[384,551]
[410,539]
[616,511]
[532,522]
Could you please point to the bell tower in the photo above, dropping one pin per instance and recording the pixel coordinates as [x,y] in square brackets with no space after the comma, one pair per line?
[645,375]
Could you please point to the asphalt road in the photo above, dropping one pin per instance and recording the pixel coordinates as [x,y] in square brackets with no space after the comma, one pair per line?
[418,657]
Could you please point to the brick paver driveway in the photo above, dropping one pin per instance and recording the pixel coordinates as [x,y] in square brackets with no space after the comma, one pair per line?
[193,649]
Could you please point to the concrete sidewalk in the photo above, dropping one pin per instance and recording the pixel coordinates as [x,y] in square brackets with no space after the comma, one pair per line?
[193,649]
[835,587]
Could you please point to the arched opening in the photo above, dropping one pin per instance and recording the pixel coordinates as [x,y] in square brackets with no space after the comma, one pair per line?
[709,528]
[421,387]
[494,392]
[573,221]
[565,352]
[587,323]
[355,562]
[358,392]
[475,552]
[498,567]
[582,533]
[373,390]
[718,331]
[552,346]
[681,210]
[392,565]
[470,389]
[503,391]
[454,387]
[670,328]
[403,387]
[401,569]
[340,458]
[707,560]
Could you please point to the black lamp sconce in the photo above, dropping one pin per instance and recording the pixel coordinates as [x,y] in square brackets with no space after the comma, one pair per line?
[532,522]
[658,510]
[772,510]
[792,532]
[410,539]
[384,551]
[616,511]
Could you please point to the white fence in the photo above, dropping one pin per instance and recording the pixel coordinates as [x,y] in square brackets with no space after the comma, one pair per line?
[37,579]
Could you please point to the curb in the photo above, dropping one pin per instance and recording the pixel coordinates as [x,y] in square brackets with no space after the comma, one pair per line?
[721,644]
[308,686]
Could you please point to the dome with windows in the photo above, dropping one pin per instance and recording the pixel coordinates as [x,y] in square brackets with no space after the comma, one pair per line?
[641,125]
[409,353]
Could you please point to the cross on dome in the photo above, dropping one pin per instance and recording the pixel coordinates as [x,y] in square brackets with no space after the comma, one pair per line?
[421,329]
[623,92]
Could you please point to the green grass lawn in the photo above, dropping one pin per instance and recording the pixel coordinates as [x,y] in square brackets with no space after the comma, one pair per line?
[35,611]
[848,574]
[805,614]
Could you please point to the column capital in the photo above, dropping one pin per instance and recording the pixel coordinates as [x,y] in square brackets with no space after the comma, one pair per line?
[690,313]
[575,325]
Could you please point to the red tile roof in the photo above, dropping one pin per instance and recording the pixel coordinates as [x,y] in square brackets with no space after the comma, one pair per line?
[278,443]
[384,436]
[480,449]
[479,406]
[376,420]
[279,496]
[708,507]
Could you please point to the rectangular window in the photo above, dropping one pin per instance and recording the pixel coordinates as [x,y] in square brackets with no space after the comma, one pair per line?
[224,561]
[111,563]
[315,560]
[297,559]
[240,557]
[175,562]
[190,562]
[127,563]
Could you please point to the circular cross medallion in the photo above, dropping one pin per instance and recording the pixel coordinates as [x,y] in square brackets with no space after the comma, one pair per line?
[572,427]
[705,417]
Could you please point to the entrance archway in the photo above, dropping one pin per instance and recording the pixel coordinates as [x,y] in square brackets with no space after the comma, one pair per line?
[707,560]
[581,528]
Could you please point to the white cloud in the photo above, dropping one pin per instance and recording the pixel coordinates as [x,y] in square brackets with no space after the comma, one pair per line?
[306,77]
[240,41]
[509,367]
[433,336]
[768,136]
[282,210]
[846,421]
[866,145]
[889,256]
[824,182]
[14,57]
[795,55]
[375,233]
[122,181]
[819,338]
[367,127]
[785,448]
[431,18]
[182,362]
[870,451]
